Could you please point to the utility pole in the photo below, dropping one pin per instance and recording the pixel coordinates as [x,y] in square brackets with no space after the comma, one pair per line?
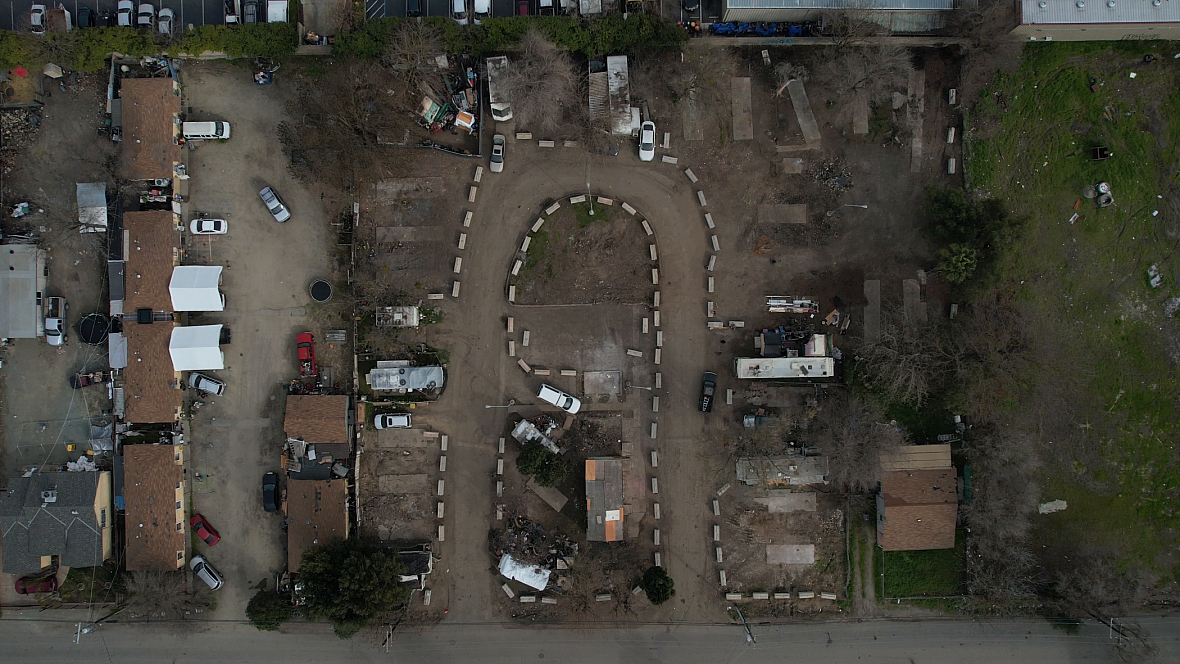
[750,638]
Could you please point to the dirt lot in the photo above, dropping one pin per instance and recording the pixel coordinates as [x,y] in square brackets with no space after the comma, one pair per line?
[579,258]
[236,439]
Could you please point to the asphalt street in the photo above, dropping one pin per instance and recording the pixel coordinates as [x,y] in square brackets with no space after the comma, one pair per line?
[14,14]
[49,637]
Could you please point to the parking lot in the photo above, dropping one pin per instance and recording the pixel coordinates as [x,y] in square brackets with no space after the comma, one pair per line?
[268,267]
[397,8]
[14,14]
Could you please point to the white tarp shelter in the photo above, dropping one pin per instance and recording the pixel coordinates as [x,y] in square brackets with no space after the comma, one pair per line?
[22,281]
[194,288]
[530,575]
[92,206]
[276,11]
[196,348]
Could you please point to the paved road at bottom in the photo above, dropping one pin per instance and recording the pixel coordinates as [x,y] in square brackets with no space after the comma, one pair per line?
[33,637]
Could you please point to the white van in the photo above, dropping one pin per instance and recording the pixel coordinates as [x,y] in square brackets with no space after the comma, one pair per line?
[209,131]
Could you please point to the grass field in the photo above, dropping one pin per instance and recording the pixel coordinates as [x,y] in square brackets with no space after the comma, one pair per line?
[1029,143]
[922,573]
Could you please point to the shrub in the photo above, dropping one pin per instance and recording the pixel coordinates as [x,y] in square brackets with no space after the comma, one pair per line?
[547,468]
[268,610]
[658,586]
[958,263]
[265,40]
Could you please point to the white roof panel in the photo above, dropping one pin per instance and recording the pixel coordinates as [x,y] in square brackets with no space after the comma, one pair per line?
[195,288]
[196,348]
[896,5]
[1097,12]
[532,576]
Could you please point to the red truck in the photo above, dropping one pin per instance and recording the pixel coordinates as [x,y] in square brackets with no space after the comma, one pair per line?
[305,344]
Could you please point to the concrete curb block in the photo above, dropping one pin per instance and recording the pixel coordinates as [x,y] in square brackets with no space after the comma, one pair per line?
[709,220]
[580,198]
[668,160]
[471,194]
[647,227]
[478,173]
[462,240]
[712,263]
[455,289]
[655,510]
[691,176]
[606,201]
[716,244]
[701,198]
[467,218]
[458,264]
[630,210]
[524,136]
[553,208]
[537,226]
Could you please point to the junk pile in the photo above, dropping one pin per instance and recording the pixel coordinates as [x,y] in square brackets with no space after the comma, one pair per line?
[531,544]
[538,429]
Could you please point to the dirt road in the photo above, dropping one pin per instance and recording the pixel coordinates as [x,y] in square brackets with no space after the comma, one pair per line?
[481,373]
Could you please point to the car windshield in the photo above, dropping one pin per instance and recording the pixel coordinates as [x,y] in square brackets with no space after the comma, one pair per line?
[569,402]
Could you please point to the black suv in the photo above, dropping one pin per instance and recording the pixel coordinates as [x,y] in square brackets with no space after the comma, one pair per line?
[270,492]
[708,390]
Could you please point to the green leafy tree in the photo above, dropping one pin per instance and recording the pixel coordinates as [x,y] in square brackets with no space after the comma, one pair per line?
[956,219]
[547,468]
[351,583]
[268,610]
[958,263]
[658,586]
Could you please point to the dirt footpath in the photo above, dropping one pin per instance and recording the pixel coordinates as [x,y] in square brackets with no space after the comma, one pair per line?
[237,438]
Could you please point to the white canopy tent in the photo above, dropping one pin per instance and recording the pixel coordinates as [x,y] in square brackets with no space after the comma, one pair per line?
[196,348]
[194,288]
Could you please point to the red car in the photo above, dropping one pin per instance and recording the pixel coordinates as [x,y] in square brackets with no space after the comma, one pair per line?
[28,585]
[203,530]
[305,344]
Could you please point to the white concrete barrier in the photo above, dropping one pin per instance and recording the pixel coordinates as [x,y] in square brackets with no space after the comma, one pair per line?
[442,533]
[653,429]
[442,464]
[471,194]
[528,599]
[499,493]
[659,377]
[647,227]
[950,135]
[549,600]
[629,209]
[644,326]
[656,537]
[606,201]
[443,443]
[654,459]
[467,218]
[569,372]
[524,136]
[709,220]
[655,276]
[786,595]
[528,239]
[722,577]
[712,262]
[634,353]
[458,264]
[806,594]
[729,397]
[516,267]
[524,366]
[499,466]
[540,372]
[508,590]
[478,173]
[668,160]
[710,309]
[455,289]
[657,357]
[462,240]
[659,338]
[440,487]
[655,485]
[512,293]
[511,348]
[831,596]
[716,507]
[716,244]
[546,144]
[525,339]
[651,249]
[720,557]
[580,198]
[441,510]
[691,176]
[537,224]
[657,559]
[655,511]
[732,597]
[655,408]
[511,324]
[710,284]
[655,318]
[553,208]
[716,533]
[701,198]
[760,595]
[500,447]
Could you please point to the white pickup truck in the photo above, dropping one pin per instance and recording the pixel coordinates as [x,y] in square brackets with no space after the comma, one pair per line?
[55,321]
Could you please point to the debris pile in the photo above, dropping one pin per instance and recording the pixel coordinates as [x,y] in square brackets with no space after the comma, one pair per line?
[530,543]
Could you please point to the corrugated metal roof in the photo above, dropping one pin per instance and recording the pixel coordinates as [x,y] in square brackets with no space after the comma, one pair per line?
[1036,12]
[842,4]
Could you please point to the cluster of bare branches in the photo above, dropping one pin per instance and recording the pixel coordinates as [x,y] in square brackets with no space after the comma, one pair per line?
[164,596]
[907,361]
[876,69]
[412,52]
[853,432]
[543,84]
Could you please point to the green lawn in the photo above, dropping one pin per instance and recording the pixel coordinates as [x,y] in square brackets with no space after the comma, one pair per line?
[1028,142]
[922,573]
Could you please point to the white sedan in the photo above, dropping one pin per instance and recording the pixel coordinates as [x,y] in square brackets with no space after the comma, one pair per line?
[37,19]
[560,399]
[204,226]
[497,153]
[647,141]
[164,23]
[126,9]
[147,15]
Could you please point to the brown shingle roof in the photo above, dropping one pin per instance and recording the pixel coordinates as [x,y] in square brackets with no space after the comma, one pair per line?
[317,418]
[917,457]
[149,382]
[920,510]
[152,475]
[149,134]
[152,243]
[316,514]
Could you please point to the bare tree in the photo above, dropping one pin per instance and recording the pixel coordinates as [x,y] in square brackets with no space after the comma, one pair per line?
[785,72]
[853,432]
[165,596]
[907,361]
[412,52]
[875,69]
[543,84]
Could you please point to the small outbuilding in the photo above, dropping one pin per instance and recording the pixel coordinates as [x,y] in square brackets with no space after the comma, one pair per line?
[196,348]
[196,288]
[92,206]
[604,499]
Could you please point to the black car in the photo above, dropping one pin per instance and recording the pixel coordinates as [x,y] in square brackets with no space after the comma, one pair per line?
[708,389]
[85,17]
[270,492]
[691,5]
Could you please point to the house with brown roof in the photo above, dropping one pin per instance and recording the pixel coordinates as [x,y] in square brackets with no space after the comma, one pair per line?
[153,491]
[317,513]
[151,247]
[917,506]
[319,430]
[151,111]
[151,386]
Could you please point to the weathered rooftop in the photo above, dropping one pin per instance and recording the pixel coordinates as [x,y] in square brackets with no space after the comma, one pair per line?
[149,149]
[316,514]
[604,499]
[154,527]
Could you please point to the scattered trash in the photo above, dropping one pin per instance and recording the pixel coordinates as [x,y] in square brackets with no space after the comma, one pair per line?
[1154,278]
[20,210]
[1132,75]
[1052,506]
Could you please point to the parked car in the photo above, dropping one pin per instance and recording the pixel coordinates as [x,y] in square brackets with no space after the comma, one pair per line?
[275,204]
[413,8]
[126,9]
[206,572]
[37,19]
[250,11]
[481,9]
[497,153]
[305,349]
[691,5]
[647,141]
[560,399]
[545,7]
[270,492]
[459,11]
[203,530]
[522,7]
[29,585]
[146,16]
[204,383]
[166,20]
[392,421]
[85,17]
[708,391]
[203,226]
[55,321]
